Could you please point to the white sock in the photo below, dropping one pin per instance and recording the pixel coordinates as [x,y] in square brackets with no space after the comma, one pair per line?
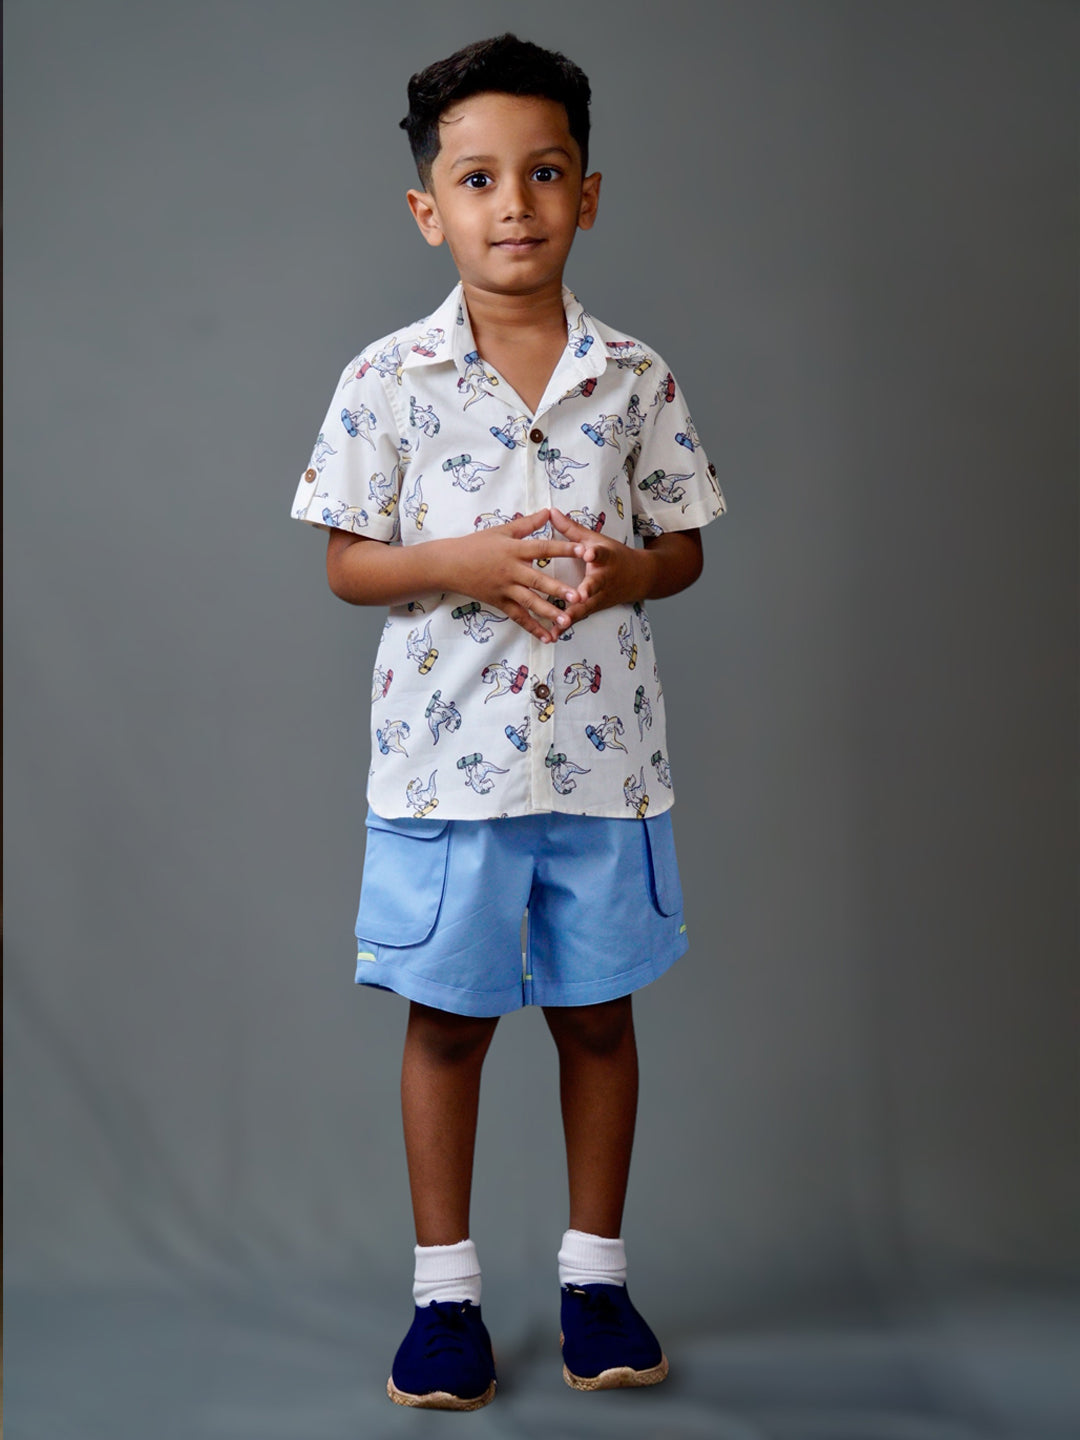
[591,1260]
[446,1272]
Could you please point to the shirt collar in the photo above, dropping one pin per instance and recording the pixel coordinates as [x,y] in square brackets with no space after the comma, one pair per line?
[447,336]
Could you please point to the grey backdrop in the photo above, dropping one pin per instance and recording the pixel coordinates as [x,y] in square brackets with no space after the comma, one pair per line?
[852,227]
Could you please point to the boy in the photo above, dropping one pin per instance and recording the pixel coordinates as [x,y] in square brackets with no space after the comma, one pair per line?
[483,473]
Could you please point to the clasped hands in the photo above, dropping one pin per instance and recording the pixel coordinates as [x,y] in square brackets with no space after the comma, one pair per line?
[498,567]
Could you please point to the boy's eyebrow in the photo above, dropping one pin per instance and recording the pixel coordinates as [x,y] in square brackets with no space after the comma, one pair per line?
[533,155]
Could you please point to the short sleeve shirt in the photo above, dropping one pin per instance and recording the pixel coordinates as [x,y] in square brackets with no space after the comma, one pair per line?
[472,716]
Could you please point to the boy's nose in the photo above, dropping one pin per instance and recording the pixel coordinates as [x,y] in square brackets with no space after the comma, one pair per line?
[517,204]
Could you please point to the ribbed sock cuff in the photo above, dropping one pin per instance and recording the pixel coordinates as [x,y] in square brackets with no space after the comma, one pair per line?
[591,1260]
[446,1272]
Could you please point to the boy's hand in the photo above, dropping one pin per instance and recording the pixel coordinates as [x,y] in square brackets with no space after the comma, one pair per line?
[496,567]
[618,574]
[493,566]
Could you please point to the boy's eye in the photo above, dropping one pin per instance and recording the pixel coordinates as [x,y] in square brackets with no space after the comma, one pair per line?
[477,181]
[545,173]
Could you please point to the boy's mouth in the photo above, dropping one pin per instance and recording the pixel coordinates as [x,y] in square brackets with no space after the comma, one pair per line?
[518,243]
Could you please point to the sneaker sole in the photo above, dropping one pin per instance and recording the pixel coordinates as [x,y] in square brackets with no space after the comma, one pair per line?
[619,1377]
[438,1399]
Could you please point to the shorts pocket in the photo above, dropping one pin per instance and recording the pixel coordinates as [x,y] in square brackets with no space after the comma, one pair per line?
[666,890]
[404,876]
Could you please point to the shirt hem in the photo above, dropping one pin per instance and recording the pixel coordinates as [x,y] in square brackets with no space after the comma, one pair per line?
[605,812]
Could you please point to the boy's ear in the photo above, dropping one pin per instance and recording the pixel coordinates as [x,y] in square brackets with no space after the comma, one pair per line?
[590,199]
[422,205]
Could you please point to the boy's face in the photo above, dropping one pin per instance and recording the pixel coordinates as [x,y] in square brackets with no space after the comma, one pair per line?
[506,192]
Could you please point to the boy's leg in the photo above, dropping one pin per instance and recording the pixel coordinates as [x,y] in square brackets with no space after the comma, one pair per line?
[440,1093]
[598,1087]
[606,1343]
[445,1361]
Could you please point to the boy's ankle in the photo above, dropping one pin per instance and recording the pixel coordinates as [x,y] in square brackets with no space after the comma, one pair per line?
[446,1273]
[591,1259]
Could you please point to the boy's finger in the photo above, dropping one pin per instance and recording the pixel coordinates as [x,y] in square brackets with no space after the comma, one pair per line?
[522,615]
[551,615]
[566,526]
[576,613]
[525,525]
[569,527]
[550,549]
[548,585]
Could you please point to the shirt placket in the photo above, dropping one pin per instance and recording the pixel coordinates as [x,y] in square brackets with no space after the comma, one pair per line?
[536,498]
[543,658]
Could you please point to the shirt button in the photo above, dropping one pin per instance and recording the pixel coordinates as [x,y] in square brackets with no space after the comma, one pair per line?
[541,692]
[310,475]
[536,435]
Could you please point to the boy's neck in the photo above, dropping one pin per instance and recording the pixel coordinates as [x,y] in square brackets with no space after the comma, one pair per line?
[501,320]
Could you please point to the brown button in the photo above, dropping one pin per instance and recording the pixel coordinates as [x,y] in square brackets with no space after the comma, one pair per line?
[536,435]
[541,692]
[309,475]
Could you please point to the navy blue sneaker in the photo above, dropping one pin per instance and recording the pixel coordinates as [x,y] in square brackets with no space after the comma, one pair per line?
[445,1361]
[606,1343]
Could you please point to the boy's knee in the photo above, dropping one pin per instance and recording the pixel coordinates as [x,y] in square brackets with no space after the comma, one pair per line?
[598,1029]
[446,1038]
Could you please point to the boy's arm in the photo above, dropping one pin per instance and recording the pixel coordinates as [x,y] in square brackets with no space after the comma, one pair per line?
[618,574]
[494,566]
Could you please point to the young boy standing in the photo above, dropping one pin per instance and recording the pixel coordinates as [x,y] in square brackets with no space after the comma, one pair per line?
[484,473]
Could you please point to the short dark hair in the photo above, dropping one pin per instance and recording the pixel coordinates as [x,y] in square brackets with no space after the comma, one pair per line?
[505,65]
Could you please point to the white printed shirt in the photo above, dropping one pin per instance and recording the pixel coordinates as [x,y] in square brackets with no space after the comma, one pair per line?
[471,715]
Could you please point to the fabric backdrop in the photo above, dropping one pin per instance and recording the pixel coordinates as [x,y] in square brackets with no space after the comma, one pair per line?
[852,230]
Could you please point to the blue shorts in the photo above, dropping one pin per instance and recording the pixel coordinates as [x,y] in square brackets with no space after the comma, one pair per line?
[442,901]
